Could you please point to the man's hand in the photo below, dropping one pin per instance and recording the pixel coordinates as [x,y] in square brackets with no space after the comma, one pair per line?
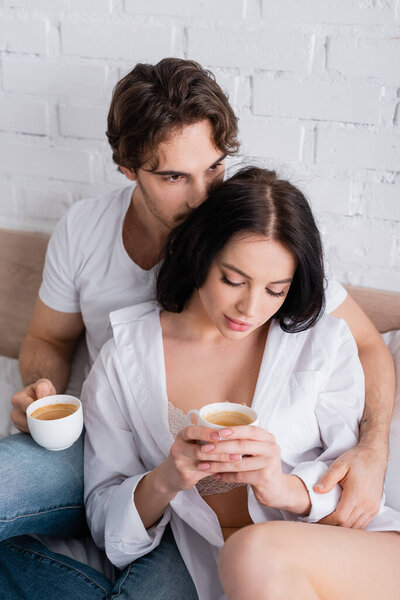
[360,472]
[21,401]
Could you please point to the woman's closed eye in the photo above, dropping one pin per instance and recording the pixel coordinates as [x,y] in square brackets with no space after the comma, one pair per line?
[275,294]
[232,283]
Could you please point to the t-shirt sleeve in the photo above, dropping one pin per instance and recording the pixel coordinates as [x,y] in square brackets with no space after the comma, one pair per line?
[58,289]
[335,293]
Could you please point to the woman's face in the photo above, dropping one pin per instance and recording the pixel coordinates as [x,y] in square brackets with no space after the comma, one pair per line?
[247,284]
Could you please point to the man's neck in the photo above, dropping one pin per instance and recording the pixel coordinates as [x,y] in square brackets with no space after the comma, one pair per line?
[143,236]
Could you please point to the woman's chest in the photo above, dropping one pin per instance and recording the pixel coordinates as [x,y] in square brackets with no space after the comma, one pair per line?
[196,377]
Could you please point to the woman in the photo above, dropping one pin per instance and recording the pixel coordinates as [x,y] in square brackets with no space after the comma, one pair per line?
[238,318]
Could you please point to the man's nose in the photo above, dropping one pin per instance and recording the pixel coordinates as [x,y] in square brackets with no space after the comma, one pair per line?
[197,194]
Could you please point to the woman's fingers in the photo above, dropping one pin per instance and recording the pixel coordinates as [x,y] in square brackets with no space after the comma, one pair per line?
[252,463]
[242,432]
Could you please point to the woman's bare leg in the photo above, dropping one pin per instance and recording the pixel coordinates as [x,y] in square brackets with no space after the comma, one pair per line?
[280,560]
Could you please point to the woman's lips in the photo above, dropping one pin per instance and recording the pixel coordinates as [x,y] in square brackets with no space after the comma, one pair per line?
[237,325]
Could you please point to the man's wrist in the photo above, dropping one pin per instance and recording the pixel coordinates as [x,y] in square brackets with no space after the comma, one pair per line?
[374,439]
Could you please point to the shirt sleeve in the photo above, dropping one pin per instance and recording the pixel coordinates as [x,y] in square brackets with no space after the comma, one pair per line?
[112,470]
[335,293]
[338,410]
[58,289]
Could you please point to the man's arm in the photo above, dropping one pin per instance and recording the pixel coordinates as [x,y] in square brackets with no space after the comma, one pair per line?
[361,471]
[45,357]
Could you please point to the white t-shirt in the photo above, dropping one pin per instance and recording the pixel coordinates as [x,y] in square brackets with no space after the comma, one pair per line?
[88,270]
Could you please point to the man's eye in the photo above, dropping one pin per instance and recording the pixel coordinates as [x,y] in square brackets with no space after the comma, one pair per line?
[215,167]
[228,282]
[173,178]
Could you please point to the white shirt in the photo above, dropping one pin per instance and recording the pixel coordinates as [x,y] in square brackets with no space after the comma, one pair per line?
[309,394]
[88,270]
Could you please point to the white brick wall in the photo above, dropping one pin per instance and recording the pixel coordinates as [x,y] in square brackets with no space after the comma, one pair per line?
[315,83]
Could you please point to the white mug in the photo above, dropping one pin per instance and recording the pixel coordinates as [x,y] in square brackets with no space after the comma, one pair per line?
[56,434]
[217,407]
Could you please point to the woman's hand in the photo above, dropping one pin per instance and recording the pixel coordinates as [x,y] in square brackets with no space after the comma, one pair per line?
[189,460]
[250,455]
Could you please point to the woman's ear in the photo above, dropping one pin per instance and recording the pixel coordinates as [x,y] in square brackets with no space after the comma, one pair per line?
[129,173]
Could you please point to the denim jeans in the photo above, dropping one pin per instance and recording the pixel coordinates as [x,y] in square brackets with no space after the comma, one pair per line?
[29,570]
[41,492]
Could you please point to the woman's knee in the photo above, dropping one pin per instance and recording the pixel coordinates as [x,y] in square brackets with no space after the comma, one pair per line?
[254,558]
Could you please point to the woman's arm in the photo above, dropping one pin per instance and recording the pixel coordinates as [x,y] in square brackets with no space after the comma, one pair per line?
[361,471]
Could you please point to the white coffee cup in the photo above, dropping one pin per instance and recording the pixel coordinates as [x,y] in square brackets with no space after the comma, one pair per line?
[56,434]
[222,407]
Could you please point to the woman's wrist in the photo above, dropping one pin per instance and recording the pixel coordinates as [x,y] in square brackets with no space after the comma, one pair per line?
[152,496]
[161,482]
[296,497]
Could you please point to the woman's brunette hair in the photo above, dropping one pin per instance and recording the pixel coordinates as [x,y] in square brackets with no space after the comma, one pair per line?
[252,201]
[152,102]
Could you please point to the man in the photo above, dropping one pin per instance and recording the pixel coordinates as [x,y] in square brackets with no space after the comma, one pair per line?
[170,128]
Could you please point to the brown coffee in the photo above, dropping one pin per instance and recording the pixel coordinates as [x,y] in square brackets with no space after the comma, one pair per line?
[228,418]
[54,411]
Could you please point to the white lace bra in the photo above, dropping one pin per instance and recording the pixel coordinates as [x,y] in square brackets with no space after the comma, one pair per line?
[177,421]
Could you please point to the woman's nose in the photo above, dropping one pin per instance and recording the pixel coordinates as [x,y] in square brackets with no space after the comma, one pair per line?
[247,304]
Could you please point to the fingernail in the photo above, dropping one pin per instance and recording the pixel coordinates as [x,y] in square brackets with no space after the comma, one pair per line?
[208,448]
[226,432]
[235,457]
[214,436]
[319,486]
[204,466]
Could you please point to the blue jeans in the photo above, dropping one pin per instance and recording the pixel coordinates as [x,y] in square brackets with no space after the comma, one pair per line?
[41,492]
[29,570]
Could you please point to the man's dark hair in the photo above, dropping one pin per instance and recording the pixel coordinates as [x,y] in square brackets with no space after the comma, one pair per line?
[252,201]
[154,101]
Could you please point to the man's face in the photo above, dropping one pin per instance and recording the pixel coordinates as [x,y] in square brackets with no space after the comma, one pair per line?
[187,163]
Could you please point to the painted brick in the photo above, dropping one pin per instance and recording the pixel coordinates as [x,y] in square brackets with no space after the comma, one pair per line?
[83,121]
[90,5]
[358,148]
[336,102]
[23,36]
[361,246]
[367,57]
[270,139]
[51,4]
[7,204]
[328,195]
[23,116]
[268,49]
[45,161]
[383,201]
[36,77]
[383,278]
[133,42]
[209,9]
[327,11]
[42,203]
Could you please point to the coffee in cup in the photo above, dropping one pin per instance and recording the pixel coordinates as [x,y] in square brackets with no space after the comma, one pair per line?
[54,411]
[224,414]
[55,422]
